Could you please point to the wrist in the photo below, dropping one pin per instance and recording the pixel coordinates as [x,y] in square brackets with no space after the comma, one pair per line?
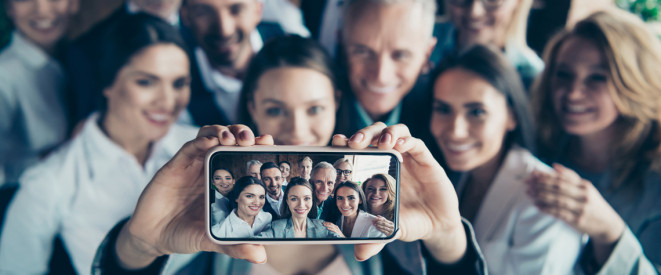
[448,246]
[611,234]
[131,252]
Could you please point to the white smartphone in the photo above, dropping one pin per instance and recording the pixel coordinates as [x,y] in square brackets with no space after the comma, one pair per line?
[293,194]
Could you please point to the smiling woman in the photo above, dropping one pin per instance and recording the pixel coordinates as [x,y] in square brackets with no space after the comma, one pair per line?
[93,180]
[289,92]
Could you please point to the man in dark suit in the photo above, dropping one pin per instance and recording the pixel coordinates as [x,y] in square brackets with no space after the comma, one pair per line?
[322,178]
[272,178]
[225,35]
[84,53]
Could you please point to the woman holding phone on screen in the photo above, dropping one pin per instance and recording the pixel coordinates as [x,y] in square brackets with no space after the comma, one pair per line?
[246,218]
[298,215]
[355,222]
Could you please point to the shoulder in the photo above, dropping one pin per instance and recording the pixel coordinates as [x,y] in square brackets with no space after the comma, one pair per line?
[179,134]
[279,224]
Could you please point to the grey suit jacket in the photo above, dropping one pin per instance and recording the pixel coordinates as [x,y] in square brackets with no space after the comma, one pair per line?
[284,228]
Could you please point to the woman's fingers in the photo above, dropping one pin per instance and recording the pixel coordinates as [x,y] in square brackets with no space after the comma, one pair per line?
[264,140]
[253,253]
[366,251]
[340,140]
[366,136]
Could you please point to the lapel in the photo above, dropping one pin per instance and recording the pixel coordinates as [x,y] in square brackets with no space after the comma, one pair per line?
[505,190]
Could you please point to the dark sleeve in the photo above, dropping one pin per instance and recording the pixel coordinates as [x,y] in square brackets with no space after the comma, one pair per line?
[472,262]
[106,262]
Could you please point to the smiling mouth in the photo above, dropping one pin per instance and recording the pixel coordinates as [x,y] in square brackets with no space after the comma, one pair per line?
[458,148]
[44,24]
[381,90]
[300,211]
[254,208]
[159,118]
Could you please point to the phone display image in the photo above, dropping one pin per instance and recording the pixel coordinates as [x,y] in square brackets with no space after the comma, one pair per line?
[257,196]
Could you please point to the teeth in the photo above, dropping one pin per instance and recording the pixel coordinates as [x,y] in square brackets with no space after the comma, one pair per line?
[382,90]
[159,117]
[459,147]
[44,24]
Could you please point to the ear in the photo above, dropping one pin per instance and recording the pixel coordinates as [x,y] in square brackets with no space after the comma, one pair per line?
[428,65]
[511,120]
[338,99]
[259,9]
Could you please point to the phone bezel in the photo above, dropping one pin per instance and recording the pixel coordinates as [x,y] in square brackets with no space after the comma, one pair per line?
[279,149]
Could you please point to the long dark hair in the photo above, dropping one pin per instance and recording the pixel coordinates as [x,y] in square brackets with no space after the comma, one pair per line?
[298,181]
[363,203]
[285,51]
[490,64]
[241,184]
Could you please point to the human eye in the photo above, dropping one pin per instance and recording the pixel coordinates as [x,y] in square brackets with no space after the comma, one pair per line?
[261,197]
[477,112]
[563,75]
[441,108]
[228,178]
[236,9]
[250,196]
[352,198]
[370,189]
[383,189]
[307,199]
[274,111]
[359,51]
[181,83]
[315,110]
[293,199]
[401,55]
[145,82]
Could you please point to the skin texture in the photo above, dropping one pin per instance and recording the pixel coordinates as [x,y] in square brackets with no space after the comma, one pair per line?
[44,22]
[272,178]
[250,202]
[285,169]
[323,181]
[299,202]
[169,218]
[223,181]
[305,167]
[146,98]
[470,120]
[478,24]
[341,177]
[295,105]
[376,193]
[222,29]
[347,201]
[386,47]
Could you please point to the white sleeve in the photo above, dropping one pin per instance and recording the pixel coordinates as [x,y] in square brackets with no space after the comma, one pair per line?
[32,221]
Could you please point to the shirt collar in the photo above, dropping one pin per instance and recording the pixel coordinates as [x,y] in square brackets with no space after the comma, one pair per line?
[173,19]
[214,80]
[392,117]
[29,51]
[101,150]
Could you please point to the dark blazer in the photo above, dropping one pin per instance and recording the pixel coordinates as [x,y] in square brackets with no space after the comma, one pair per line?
[313,11]
[202,105]
[284,228]
[329,211]
[269,209]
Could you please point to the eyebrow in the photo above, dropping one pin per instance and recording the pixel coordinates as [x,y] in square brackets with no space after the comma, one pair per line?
[143,73]
[275,101]
[466,105]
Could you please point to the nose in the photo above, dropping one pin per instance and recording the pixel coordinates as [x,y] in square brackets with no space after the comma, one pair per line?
[383,70]
[299,128]
[43,7]
[575,90]
[477,9]
[459,127]
[227,24]
[300,203]
[167,97]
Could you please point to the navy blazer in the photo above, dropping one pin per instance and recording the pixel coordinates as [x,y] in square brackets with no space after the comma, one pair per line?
[284,228]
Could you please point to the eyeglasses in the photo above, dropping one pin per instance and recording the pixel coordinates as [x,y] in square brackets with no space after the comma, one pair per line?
[345,172]
[488,4]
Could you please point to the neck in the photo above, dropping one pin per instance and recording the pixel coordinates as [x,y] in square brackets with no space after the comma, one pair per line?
[593,152]
[136,146]
[240,65]
[481,177]
[350,220]
[247,218]
[300,224]
[377,210]
[276,196]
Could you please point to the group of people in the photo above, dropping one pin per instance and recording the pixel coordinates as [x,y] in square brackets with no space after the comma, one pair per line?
[327,205]
[96,130]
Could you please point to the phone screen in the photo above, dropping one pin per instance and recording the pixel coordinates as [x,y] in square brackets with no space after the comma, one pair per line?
[261,196]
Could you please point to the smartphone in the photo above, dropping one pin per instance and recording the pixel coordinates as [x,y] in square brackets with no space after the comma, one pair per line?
[294,194]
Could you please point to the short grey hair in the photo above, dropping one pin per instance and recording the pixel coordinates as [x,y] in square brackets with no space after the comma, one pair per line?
[323,165]
[251,163]
[428,7]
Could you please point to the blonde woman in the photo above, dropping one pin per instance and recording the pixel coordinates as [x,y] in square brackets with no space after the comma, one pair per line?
[599,100]
[501,23]
[380,195]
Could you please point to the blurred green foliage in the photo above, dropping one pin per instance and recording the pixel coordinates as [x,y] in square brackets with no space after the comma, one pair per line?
[648,10]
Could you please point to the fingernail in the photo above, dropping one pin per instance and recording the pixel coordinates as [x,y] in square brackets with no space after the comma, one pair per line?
[358,137]
[245,134]
[400,141]
[225,134]
[385,138]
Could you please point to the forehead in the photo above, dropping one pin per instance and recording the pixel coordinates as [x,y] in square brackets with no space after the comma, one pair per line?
[300,190]
[344,165]
[294,86]
[459,86]
[387,26]
[253,188]
[322,173]
[346,191]
[218,3]
[376,183]
[272,172]
[160,60]
[284,165]
[579,51]
[221,172]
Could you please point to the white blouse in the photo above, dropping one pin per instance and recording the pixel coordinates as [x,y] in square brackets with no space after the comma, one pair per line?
[79,192]
[363,228]
[235,227]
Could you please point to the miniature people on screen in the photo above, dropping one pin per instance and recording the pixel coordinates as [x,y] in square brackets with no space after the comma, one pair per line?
[355,221]
[246,218]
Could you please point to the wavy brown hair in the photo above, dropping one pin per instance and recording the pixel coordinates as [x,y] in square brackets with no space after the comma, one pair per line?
[389,205]
[633,54]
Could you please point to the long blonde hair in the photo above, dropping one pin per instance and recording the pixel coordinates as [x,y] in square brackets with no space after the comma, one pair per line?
[634,55]
[389,205]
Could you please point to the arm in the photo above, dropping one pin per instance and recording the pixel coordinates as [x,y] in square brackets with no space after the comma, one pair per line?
[471,263]
[32,222]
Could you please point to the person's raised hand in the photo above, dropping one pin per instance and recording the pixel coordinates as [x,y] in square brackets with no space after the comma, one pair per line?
[333,227]
[384,225]
[429,208]
[170,216]
[568,197]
